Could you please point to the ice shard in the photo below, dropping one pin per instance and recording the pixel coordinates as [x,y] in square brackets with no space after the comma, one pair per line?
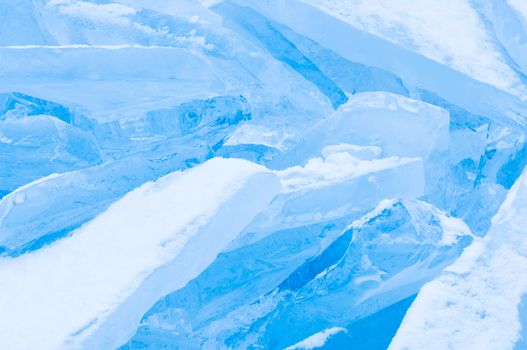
[262,174]
[478,301]
[91,288]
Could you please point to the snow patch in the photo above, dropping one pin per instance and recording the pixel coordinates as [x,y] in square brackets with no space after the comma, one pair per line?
[475,303]
[383,205]
[360,152]
[339,163]
[317,340]
[69,294]
[449,32]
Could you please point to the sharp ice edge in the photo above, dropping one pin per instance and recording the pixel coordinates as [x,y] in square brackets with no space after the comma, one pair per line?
[387,138]
[476,301]
[354,267]
[91,286]
[450,32]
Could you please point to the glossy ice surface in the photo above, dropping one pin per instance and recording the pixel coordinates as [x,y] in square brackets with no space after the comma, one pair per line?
[263,174]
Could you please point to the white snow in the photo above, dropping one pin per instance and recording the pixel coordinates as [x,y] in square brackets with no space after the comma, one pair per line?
[452,228]
[449,32]
[89,289]
[339,163]
[317,340]
[474,304]
[6,140]
[361,152]
[334,186]
[383,205]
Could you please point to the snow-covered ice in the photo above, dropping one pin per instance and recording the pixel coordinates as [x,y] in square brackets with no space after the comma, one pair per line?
[450,32]
[476,302]
[263,174]
[88,289]
[316,340]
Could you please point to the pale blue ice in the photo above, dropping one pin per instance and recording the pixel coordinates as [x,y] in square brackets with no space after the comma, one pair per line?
[250,174]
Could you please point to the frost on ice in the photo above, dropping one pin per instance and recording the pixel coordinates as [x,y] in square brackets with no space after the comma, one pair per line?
[477,302]
[90,287]
[247,174]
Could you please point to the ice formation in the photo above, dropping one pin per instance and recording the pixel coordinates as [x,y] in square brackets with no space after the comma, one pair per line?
[478,301]
[263,174]
[91,286]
